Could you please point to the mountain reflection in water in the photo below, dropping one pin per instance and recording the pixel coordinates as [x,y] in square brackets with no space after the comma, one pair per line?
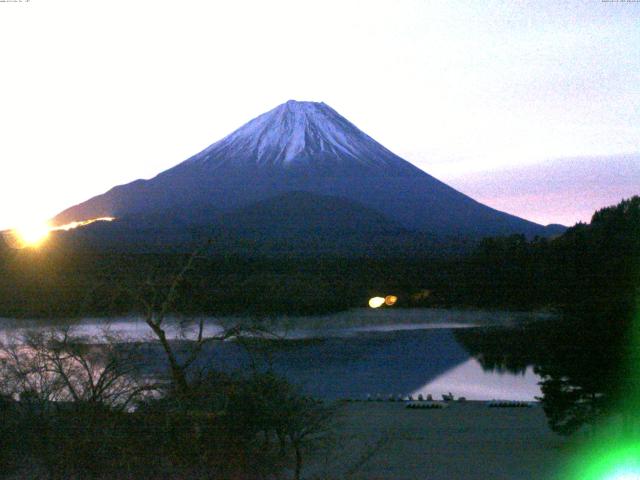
[418,352]
[380,363]
[471,381]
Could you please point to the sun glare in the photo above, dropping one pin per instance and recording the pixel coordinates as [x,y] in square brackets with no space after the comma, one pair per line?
[624,476]
[32,234]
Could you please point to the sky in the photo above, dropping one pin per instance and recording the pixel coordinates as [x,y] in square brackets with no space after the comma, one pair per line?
[495,98]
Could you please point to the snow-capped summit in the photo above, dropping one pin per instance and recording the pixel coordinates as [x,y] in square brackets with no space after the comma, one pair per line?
[299,135]
[299,147]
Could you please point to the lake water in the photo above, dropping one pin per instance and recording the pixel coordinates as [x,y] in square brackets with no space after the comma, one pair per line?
[356,354]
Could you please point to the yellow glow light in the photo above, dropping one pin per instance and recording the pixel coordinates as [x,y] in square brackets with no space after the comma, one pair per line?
[34,234]
[376,302]
[31,234]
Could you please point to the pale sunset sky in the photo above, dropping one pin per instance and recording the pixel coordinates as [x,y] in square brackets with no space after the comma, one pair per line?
[531,107]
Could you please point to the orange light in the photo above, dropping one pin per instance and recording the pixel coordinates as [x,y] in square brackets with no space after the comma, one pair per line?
[390,300]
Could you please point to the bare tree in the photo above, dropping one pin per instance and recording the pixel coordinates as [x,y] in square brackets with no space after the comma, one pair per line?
[57,365]
[305,422]
[159,302]
[279,414]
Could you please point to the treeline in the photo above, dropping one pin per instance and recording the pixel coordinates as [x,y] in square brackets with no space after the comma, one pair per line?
[588,263]
[588,360]
[588,266]
[59,283]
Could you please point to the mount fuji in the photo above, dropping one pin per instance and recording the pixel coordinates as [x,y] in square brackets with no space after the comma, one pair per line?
[309,150]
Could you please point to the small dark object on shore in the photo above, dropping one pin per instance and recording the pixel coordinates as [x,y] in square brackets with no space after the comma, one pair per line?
[507,404]
[425,406]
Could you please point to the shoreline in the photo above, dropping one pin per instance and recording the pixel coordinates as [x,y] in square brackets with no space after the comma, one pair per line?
[465,441]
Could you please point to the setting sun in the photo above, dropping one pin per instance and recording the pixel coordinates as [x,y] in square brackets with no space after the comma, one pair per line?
[31,234]
[34,234]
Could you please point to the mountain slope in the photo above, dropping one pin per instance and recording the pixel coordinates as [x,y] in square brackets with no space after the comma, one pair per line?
[293,223]
[301,213]
[308,147]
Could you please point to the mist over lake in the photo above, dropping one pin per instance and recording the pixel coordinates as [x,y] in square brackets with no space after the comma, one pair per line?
[357,354]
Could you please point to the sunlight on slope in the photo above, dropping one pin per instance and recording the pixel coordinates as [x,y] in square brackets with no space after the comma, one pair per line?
[33,234]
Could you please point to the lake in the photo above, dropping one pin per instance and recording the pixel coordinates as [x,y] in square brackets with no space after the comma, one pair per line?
[357,354]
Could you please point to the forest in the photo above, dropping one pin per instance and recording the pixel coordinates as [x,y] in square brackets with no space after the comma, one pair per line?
[594,263]
[591,276]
